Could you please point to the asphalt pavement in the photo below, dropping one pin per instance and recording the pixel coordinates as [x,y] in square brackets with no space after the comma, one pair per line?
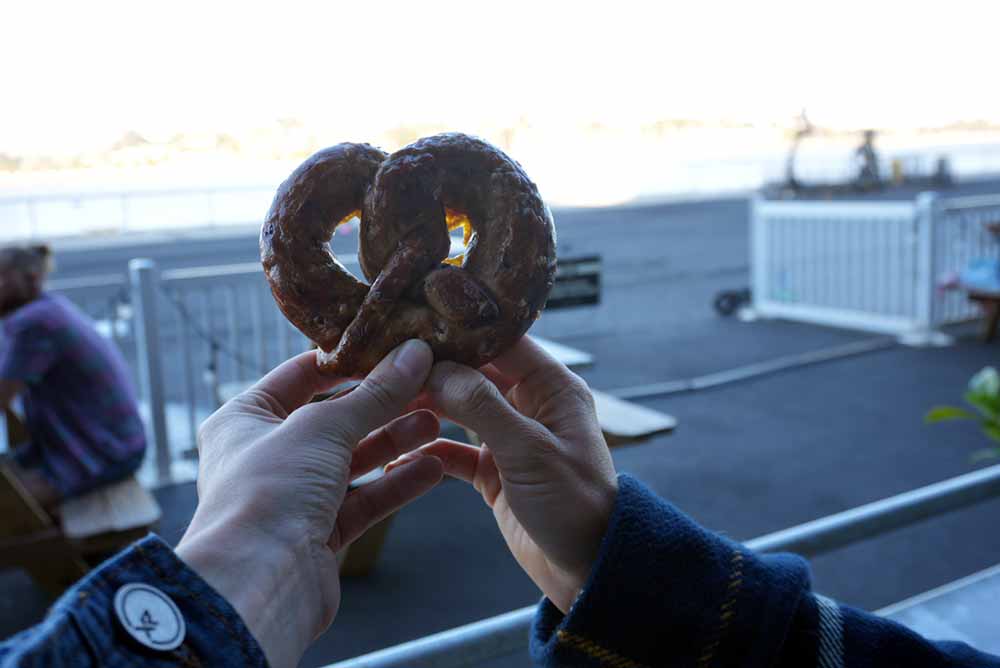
[747,459]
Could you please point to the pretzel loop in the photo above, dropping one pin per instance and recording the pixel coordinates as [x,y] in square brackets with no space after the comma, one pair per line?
[468,309]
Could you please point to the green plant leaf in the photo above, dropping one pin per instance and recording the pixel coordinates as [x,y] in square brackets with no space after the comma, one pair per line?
[943,413]
[988,405]
[985,455]
[992,429]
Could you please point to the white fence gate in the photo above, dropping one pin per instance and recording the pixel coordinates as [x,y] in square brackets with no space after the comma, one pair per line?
[876,266]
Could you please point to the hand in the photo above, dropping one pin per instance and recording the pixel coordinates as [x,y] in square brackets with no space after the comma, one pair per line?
[544,467]
[273,506]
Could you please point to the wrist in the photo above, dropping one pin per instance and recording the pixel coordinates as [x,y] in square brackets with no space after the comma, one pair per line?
[602,503]
[266,581]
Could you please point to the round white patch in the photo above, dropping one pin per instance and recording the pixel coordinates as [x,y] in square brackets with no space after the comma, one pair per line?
[150,616]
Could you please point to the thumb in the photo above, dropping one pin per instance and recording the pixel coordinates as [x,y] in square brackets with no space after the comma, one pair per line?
[384,394]
[469,398]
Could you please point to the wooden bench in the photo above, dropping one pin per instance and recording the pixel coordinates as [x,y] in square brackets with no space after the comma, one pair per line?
[58,551]
[627,423]
[622,422]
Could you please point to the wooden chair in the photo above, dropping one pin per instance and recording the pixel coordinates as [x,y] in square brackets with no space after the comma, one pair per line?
[31,540]
[57,551]
[990,303]
[362,555]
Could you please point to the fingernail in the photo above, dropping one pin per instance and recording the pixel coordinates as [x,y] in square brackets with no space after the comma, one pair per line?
[400,461]
[412,358]
[342,393]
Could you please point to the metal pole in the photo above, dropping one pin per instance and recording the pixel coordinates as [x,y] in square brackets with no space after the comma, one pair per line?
[759,260]
[468,645]
[857,524]
[145,279]
[924,220]
[474,643]
[189,384]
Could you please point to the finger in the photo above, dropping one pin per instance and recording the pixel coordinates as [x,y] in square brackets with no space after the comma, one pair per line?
[554,394]
[459,459]
[470,399]
[526,359]
[393,440]
[385,392]
[330,396]
[293,383]
[462,462]
[380,398]
[424,400]
[503,382]
[373,502]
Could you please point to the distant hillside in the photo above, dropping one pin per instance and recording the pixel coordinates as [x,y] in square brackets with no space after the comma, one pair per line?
[290,139]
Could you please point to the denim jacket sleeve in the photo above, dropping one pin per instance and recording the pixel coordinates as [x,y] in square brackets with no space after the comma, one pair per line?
[83,628]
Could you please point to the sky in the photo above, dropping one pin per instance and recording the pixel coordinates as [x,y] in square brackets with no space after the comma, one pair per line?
[76,75]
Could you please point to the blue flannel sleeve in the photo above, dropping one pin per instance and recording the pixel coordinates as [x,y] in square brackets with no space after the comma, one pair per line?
[846,636]
[28,351]
[83,630]
[665,591]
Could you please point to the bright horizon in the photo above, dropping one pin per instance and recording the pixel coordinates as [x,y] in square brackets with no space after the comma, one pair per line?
[78,75]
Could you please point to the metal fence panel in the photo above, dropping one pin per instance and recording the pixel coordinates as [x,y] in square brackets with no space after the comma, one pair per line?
[844,264]
[876,266]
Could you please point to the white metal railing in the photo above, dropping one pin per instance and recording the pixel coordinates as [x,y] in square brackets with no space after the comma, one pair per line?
[67,214]
[188,334]
[874,265]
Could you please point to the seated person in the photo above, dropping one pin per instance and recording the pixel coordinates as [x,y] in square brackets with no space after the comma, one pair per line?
[80,408]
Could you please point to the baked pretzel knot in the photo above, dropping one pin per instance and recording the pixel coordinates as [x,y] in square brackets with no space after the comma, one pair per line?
[468,309]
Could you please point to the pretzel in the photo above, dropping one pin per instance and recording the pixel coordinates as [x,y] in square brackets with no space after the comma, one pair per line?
[468,309]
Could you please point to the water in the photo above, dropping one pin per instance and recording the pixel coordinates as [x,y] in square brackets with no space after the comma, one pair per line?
[601,171]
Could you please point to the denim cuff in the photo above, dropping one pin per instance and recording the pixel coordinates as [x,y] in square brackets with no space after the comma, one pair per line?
[215,634]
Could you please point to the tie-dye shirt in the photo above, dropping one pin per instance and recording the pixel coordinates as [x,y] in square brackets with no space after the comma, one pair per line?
[80,406]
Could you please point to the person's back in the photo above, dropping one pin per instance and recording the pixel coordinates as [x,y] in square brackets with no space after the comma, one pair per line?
[80,406]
